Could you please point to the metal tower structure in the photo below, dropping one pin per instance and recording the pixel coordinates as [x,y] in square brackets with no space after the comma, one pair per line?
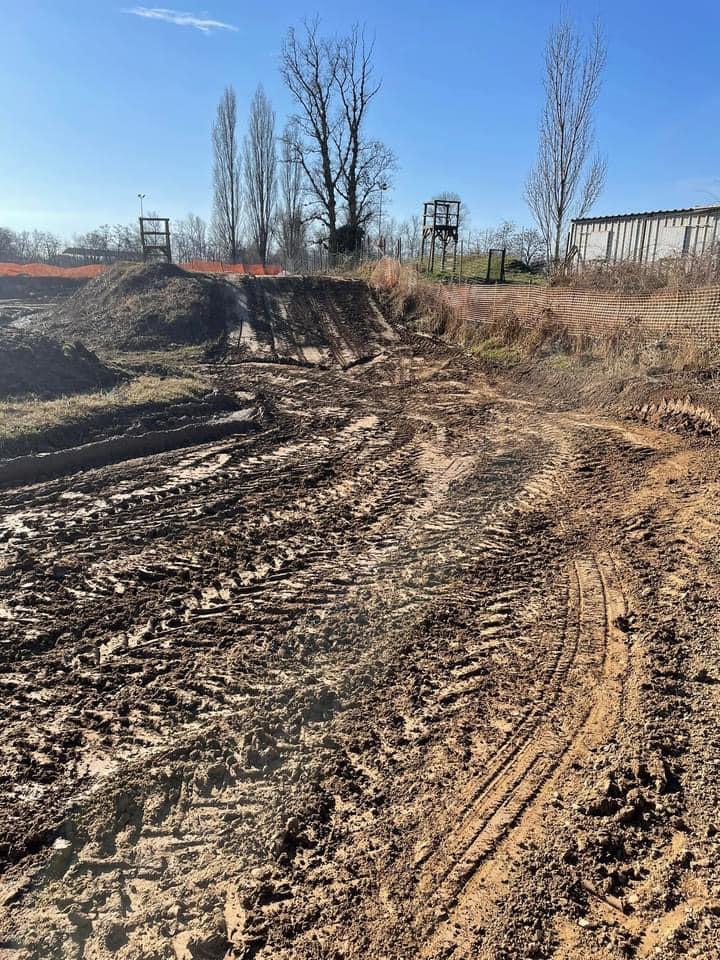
[155,238]
[441,225]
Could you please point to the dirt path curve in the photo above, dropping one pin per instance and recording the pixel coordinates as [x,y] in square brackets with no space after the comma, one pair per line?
[356,686]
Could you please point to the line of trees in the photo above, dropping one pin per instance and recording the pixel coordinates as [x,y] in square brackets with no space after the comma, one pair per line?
[28,245]
[318,181]
[106,242]
[322,178]
[325,181]
[523,243]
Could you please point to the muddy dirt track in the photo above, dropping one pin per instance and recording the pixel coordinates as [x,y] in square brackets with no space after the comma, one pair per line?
[422,669]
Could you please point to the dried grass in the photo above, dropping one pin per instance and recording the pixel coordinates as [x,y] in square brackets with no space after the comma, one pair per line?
[633,279]
[408,298]
[25,418]
[510,337]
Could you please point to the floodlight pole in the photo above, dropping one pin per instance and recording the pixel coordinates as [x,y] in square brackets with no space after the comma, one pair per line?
[141,197]
[382,188]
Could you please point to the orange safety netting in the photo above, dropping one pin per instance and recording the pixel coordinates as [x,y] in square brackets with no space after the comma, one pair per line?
[45,270]
[218,266]
[94,269]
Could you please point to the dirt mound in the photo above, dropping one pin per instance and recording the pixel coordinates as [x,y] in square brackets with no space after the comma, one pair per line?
[38,365]
[315,321]
[133,306]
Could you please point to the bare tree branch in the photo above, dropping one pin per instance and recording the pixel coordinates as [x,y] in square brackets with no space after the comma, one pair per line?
[333,86]
[226,177]
[564,181]
[292,223]
[260,171]
[309,68]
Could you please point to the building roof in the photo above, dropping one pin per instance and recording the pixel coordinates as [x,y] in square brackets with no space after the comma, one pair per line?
[712,208]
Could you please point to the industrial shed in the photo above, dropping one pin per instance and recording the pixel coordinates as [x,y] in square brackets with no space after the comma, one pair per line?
[645,237]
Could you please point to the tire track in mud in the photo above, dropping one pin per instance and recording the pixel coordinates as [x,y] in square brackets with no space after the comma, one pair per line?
[351,533]
[580,701]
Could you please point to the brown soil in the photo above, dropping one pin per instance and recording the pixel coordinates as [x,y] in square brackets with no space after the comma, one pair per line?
[313,321]
[38,289]
[34,365]
[130,420]
[136,306]
[427,668]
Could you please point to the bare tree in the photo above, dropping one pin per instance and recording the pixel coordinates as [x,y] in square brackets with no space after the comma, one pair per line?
[528,244]
[197,236]
[409,234]
[189,239]
[226,177]
[50,244]
[260,172]
[126,240]
[292,226]
[332,83]
[8,244]
[365,164]
[504,234]
[566,179]
[309,67]
[23,244]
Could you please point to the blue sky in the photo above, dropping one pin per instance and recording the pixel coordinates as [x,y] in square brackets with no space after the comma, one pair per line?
[100,103]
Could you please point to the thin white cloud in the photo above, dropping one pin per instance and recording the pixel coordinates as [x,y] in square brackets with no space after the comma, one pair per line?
[709,186]
[199,22]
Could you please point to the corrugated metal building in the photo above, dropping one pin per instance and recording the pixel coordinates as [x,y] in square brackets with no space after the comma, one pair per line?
[645,237]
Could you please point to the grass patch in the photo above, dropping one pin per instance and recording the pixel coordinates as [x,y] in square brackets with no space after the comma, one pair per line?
[474,267]
[28,418]
[171,360]
[495,351]
[564,361]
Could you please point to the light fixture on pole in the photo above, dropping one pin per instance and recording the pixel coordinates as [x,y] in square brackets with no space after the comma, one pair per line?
[382,187]
[141,197]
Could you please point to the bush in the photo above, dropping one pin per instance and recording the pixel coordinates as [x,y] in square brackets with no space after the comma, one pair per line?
[518,266]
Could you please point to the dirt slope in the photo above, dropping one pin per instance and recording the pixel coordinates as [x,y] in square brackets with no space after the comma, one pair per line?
[133,306]
[425,669]
[31,364]
[315,321]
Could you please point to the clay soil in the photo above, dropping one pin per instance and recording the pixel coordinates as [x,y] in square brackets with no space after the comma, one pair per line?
[34,365]
[425,668]
[133,306]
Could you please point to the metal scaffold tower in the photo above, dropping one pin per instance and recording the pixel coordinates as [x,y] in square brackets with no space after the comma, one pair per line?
[441,225]
[155,238]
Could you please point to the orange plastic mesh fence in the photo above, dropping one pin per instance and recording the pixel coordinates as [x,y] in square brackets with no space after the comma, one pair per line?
[690,315]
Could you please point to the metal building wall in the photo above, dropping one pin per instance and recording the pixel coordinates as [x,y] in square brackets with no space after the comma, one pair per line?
[646,237]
